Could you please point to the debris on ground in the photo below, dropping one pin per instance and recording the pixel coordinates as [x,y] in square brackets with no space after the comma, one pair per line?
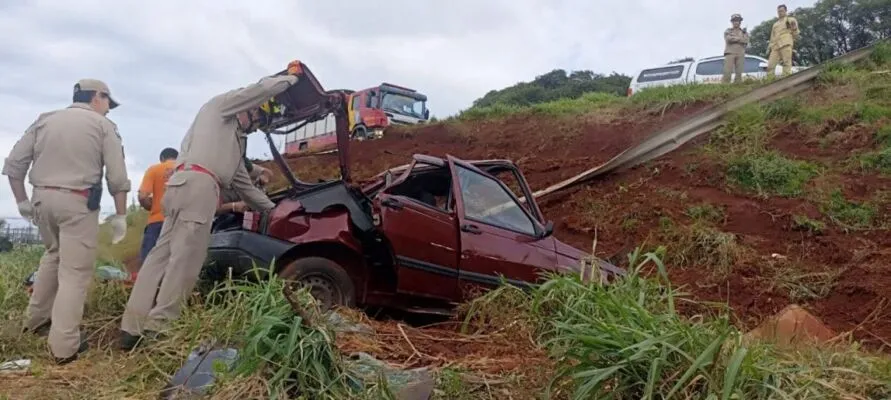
[198,374]
[17,366]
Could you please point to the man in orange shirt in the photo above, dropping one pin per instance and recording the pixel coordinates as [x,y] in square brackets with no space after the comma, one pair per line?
[150,194]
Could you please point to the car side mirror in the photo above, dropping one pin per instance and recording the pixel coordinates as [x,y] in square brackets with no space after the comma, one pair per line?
[548,229]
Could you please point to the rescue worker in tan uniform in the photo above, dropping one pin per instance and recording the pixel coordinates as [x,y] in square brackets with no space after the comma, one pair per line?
[210,159]
[735,41]
[68,149]
[230,200]
[783,35]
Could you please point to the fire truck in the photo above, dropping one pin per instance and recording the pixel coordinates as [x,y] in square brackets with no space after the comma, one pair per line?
[370,111]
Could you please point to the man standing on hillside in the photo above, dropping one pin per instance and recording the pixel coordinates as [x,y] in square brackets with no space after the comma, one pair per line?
[69,148]
[735,41]
[211,158]
[783,35]
[151,191]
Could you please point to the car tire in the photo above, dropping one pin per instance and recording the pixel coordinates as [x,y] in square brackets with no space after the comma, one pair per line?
[328,282]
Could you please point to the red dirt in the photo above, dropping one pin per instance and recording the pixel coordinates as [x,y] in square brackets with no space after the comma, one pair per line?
[626,209]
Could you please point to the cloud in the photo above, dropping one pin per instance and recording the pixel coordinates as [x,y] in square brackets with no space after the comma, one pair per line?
[163,59]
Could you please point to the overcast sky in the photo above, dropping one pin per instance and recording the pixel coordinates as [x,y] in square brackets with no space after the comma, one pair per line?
[163,59]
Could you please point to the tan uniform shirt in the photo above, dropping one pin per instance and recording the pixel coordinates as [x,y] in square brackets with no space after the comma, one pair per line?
[69,147]
[735,41]
[784,33]
[215,142]
[230,195]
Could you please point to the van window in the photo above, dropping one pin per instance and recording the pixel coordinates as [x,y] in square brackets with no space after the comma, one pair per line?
[752,65]
[714,67]
[661,74]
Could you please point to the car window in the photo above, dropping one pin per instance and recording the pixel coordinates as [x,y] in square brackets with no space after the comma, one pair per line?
[660,74]
[487,201]
[752,65]
[714,67]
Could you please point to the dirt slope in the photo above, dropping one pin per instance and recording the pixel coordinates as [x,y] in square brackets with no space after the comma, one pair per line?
[758,253]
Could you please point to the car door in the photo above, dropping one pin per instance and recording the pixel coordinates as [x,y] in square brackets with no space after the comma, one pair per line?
[424,239]
[709,71]
[498,237]
[754,68]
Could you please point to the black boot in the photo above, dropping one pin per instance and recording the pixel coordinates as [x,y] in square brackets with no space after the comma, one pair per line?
[130,341]
[84,346]
[41,330]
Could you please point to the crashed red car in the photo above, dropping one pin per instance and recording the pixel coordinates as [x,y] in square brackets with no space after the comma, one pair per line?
[417,237]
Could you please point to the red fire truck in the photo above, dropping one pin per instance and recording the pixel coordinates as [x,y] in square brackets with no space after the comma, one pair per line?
[370,112]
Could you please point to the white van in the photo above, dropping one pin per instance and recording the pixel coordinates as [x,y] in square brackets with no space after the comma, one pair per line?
[703,70]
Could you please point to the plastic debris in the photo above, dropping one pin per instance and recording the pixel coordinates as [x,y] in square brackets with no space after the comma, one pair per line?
[341,324]
[15,366]
[109,273]
[197,376]
[413,384]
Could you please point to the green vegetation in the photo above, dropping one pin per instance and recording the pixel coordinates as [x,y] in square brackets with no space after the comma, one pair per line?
[804,286]
[770,173]
[627,340]
[700,245]
[804,223]
[831,28]
[555,85]
[586,103]
[850,215]
[706,213]
[658,98]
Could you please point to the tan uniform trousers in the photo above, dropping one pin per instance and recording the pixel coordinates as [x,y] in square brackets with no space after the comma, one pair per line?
[69,231]
[784,55]
[172,267]
[733,63]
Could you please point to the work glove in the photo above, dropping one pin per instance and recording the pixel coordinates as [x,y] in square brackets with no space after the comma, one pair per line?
[118,228]
[294,68]
[26,210]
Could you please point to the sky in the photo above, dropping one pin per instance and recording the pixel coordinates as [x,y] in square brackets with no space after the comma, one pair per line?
[163,59]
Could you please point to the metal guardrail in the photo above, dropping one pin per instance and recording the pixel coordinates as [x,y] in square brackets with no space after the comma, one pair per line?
[682,132]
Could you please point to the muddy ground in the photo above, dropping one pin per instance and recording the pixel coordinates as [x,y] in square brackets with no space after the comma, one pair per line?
[632,208]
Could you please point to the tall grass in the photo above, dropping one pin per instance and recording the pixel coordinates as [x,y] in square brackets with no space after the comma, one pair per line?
[627,340]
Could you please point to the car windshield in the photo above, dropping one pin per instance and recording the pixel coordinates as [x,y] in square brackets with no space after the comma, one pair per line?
[403,105]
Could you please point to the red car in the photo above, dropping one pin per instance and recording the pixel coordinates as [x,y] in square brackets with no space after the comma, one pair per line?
[417,237]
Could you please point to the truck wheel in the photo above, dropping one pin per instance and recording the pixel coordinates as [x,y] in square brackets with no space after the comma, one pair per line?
[360,133]
[328,282]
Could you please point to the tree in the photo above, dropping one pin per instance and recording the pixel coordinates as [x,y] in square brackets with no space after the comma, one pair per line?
[830,28]
[554,85]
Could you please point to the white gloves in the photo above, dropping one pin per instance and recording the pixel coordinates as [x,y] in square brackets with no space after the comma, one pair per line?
[26,209]
[118,228]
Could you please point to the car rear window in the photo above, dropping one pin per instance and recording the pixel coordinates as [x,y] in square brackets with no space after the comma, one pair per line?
[661,74]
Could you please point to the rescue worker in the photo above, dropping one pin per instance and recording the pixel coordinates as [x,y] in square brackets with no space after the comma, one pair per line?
[210,158]
[68,149]
[735,41]
[783,35]
[230,201]
[151,191]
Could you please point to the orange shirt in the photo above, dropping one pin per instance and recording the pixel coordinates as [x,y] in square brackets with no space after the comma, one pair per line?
[154,182]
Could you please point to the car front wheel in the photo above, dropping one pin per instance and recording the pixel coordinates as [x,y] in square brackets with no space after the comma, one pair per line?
[327,281]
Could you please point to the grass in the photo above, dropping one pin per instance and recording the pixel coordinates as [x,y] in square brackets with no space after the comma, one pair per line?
[280,352]
[627,340]
[770,173]
[656,97]
[849,215]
